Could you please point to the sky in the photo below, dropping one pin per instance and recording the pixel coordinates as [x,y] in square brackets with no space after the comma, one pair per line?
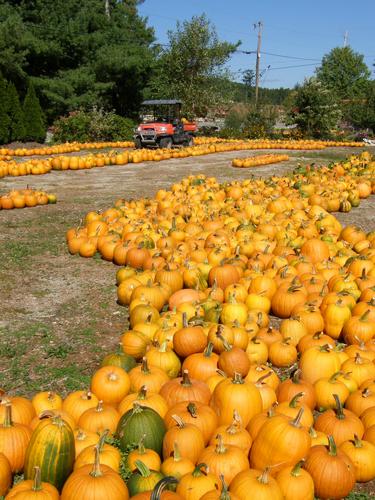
[302,30]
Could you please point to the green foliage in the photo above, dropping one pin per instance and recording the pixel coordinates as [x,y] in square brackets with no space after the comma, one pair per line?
[76,54]
[95,125]
[344,72]
[192,67]
[4,118]
[314,109]
[260,122]
[35,129]
[15,113]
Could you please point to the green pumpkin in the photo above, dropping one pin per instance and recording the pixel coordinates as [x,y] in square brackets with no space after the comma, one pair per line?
[143,479]
[122,360]
[138,422]
[52,449]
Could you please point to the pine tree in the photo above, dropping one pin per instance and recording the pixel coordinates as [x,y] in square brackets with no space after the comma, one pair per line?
[4,118]
[33,117]
[15,113]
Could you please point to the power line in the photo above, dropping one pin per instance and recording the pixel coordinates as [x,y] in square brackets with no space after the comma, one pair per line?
[291,57]
[294,66]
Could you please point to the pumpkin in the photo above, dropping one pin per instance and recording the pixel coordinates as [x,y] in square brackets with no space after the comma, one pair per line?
[220,495]
[318,362]
[144,398]
[143,479]
[235,394]
[189,339]
[342,424]
[362,454]
[121,360]
[134,343]
[295,482]
[164,358]
[110,384]
[332,471]
[100,418]
[78,402]
[226,460]
[151,377]
[141,422]
[282,353]
[272,444]
[108,454]
[203,365]
[360,368]
[360,400]
[176,465]
[290,387]
[147,456]
[22,409]
[257,484]
[291,409]
[52,449]
[34,489]
[234,435]
[159,492]
[185,389]
[46,401]
[188,437]
[233,360]
[5,475]
[95,482]
[325,388]
[196,413]
[195,484]
[14,439]
[83,439]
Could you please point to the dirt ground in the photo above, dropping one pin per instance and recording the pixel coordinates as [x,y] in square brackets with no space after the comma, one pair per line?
[59,315]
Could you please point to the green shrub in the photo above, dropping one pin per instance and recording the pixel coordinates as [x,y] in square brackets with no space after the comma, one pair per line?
[95,126]
[4,118]
[35,129]
[15,113]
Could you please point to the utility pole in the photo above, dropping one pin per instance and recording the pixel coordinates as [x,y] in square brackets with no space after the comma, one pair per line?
[107,11]
[346,36]
[258,25]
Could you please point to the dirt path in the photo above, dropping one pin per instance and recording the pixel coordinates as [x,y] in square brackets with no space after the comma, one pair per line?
[58,312]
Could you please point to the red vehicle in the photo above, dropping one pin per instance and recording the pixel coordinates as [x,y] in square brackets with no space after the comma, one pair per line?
[162,126]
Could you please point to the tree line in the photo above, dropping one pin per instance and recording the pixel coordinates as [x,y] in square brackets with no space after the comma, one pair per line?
[71,55]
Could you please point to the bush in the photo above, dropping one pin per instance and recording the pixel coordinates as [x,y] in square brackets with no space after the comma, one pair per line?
[93,126]
[35,129]
[260,122]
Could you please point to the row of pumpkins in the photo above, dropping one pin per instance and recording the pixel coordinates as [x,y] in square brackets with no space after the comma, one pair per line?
[204,146]
[256,161]
[205,265]
[68,147]
[240,217]
[23,198]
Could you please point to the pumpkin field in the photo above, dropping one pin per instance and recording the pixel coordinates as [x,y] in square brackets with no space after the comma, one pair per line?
[175,328]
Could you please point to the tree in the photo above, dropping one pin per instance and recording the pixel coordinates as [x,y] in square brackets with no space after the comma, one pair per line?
[35,129]
[192,66]
[4,118]
[15,113]
[248,79]
[344,72]
[313,107]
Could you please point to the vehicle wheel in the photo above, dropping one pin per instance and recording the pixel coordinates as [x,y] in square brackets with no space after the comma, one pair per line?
[166,143]
[189,142]
[138,143]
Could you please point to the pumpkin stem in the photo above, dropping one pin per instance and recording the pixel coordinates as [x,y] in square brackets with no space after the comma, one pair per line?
[224,489]
[163,347]
[99,406]
[142,469]
[208,350]
[325,348]
[339,409]
[141,445]
[358,360]
[332,448]
[161,485]
[364,315]
[334,377]
[144,366]
[142,394]
[192,409]
[263,478]
[102,439]
[297,421]
[186,382]
[260,380]
[8,415]
[312,432]
[295,400]
[357,442]
[237,379]
[296,378]
[197,472]
[220,447]
[96,471]
[185,323]
[180,423]
[37,481]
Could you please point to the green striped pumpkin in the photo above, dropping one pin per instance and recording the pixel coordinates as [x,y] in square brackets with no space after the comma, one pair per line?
[140,422]
[120,359]
[52,449]
[143,479]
